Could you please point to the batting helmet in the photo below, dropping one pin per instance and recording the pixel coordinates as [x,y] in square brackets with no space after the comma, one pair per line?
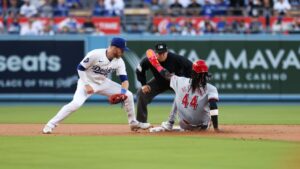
[200,66]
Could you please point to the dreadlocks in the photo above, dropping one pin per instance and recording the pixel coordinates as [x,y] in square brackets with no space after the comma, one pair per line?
[199,80]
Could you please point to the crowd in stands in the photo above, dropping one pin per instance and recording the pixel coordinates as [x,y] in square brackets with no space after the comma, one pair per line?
[12,10]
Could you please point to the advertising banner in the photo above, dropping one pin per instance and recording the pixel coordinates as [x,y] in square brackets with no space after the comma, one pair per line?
[39,66]
[240,67]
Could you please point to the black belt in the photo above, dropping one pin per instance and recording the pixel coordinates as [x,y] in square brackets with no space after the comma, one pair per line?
[201,126]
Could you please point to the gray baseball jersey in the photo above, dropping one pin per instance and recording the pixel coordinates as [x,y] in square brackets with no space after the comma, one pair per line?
[192,107]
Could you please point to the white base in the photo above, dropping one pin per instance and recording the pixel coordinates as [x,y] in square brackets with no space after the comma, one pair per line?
[161,129]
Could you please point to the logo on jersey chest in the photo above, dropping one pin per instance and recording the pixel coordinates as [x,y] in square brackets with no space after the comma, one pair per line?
[102,71]
[86,60]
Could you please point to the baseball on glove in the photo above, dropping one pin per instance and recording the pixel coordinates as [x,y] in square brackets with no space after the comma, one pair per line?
[117,98]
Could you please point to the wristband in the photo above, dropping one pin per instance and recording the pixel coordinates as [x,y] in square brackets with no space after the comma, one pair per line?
[123,91]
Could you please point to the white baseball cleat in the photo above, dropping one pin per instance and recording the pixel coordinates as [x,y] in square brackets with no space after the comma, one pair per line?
[47,129]
[134,126]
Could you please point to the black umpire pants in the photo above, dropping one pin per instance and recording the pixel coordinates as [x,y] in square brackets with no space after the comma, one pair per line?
[144,99]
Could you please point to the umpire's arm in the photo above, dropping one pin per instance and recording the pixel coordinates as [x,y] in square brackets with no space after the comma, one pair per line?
[141,71]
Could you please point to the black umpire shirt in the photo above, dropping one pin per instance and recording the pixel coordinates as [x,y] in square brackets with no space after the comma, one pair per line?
[174,63]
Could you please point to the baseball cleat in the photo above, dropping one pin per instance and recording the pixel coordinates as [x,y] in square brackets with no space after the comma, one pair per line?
[138,125]
[47,129]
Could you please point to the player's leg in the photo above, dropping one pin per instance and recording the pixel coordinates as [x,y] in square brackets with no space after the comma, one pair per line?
[79,98]
[109,88]
[144,99]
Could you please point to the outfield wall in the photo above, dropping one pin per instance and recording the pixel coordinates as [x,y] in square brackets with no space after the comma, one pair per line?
[244,67]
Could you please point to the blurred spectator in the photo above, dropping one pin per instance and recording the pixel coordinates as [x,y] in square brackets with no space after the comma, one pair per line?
[2,30]
[29,28]
[14,27]
[88,4]
[98,31]
[88,26]
[154,30]
[73,4]
[278,26]
[295,26]
[114,7]
[65,30]
[134,29]
[165,6]
[13,9]
[239,26]
[99,9]
[222,26]
[46,9]
[173,30]
[1,11]
[156,8]
[173,27]
[188,29]
[281,7]
[36,3]
[221,7]
[255,26]
[27,9]
[209,28]
[237,7]
[176,8]
[193,9]
[255,7]
[69,25]
[208,8]
[207,23]
[61,9]
[52,25]
[267,13]
[295,3]
[47,30]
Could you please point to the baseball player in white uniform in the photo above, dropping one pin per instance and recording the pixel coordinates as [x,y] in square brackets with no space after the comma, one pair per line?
[195,100]
[93,71]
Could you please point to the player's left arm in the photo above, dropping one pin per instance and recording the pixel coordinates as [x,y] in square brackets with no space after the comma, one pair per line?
[214,113]
[121,71]
[213,98]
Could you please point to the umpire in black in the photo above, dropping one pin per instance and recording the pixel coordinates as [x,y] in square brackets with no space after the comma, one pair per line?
[174,63]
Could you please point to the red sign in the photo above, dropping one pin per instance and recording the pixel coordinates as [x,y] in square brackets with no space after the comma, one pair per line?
[162,22]
[106,25]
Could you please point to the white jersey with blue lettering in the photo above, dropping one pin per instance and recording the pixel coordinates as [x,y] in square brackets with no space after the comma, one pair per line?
[192,107]
[98,66]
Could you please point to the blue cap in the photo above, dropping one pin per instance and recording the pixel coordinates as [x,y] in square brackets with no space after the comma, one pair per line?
[120,43]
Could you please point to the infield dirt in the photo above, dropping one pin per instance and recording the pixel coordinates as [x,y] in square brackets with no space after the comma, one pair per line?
[256,132]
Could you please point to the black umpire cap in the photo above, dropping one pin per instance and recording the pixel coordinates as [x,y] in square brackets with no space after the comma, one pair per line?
[161,48]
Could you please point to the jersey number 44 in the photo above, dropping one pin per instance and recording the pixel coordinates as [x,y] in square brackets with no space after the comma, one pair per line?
[193,103]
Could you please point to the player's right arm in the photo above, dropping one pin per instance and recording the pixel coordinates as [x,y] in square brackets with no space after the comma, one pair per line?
[152,58]
[87,62]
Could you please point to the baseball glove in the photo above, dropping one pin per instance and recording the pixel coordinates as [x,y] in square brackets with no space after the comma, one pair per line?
[117,98]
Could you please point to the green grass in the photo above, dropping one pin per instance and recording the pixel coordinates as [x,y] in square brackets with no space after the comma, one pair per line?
[272,114]
[138,152]
[146,152]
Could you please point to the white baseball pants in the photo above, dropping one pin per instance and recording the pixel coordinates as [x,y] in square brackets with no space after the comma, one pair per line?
[107,88]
